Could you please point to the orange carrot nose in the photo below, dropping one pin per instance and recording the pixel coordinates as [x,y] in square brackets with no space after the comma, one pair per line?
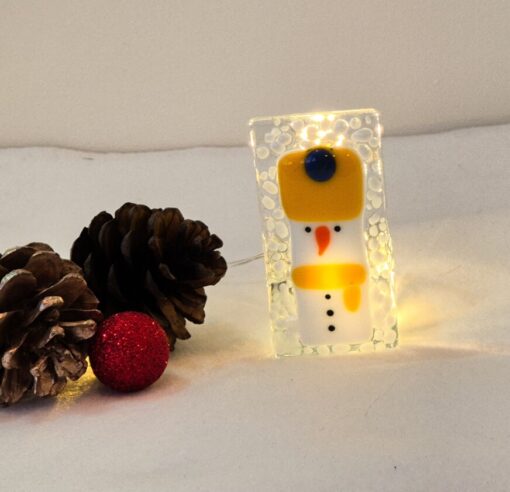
[323,237]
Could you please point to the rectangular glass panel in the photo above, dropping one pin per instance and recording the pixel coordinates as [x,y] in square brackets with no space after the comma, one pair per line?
[327,246]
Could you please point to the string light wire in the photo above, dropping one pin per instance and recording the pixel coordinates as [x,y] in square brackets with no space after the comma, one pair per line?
[245,261]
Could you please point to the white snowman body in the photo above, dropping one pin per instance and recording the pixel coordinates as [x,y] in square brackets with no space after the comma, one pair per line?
[322,316]
[323,195]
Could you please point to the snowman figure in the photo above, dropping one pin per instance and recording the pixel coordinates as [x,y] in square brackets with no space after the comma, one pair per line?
[322,192]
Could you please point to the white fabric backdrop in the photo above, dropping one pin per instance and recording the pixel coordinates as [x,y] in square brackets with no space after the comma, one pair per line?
[430,415]
[160,74]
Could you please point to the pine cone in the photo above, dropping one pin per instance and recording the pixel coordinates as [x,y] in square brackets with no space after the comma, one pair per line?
[47,314]
[153,261]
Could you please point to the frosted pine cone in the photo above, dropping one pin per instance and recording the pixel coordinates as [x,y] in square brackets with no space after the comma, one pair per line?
[47,315]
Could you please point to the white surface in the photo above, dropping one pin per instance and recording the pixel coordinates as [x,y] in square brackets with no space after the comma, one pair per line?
[160,74]
[431,415]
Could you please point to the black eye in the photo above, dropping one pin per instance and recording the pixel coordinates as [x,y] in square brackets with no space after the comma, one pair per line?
[320,164]
[308,229]
[338,228]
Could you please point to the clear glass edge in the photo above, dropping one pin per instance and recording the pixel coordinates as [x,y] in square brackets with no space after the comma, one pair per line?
[261,119]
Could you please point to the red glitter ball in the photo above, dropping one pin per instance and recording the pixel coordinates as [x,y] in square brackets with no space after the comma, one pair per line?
[129,352]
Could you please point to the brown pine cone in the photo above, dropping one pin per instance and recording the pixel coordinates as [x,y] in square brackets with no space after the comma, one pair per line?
[47,314]
[150,260]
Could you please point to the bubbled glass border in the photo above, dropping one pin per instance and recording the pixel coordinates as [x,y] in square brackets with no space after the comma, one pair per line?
[270,137]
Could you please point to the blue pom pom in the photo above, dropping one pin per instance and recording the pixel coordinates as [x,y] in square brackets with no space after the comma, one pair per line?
[320,165]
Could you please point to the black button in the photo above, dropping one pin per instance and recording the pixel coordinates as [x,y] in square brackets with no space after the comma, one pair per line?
[308,229]
[331,328]
[338,228]
[327,296]
[330,312]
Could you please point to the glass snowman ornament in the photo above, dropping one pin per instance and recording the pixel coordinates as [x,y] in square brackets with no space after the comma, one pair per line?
[327,247]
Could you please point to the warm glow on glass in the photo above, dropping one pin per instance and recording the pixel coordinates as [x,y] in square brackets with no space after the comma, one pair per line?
[328,251]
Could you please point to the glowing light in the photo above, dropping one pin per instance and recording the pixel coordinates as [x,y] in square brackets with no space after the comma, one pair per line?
[76,389]
[321,133]
[318,117]
[329,276]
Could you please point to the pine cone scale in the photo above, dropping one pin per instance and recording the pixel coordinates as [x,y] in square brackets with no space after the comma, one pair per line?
[45,304]
[15,286]
[167,308]
[79,315]
[11,259]
[87,300]
[195,312]
[11,358]
[14,383]
[95,227]
[167,274]
[109,240]
[46,267]
[49,334]
[79,330]
[114,289]
[69,365]
[69,288]
[43,382]
[8,320]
